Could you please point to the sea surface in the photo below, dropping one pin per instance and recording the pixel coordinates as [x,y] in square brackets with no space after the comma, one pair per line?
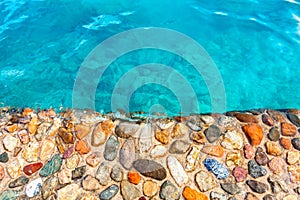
[255,46]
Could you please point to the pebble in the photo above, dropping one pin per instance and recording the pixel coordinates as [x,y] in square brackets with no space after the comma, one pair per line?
[273,148]
[127,154]
[277,184]
[177,171]
[290,197]
[34,187]
[82,130]
[66,136]
[73,161]
[231,188]
[179,147]
[192,194]
[261,157]
[276,115]
[269,197]
[296,143]
[257,187]
[82,147]
[93,159]
[89,183]
[9,195]
[78,172]
[145,139]
[212,133]
[68,152]
[233,159]
[49,186]
[248,151]
[232,140]
[24,136]
[99,136]
[216,168]
[128,191]
[255,170]
[162,136]
[111,148]
[109,192]
[274,134]
[150,168]
[180,130]
[194,124]
[116,173]
[285,143]
[17,151]
[205,181]
[218,196]
[2,172]
[32,168]
[11,128]
[31,152]
[14,169]
[51,166]
[239,173]
[47,148]
[192,159]
[168,191]
[277,165]
[150,188]
[22,180]
[103,173]
[288,129]
[250,196]
[61,146]
[266,119]
[244,117]
[126,129]
[64,176]
[294,119]
[213,150]
[9,143]
[158,151]
[165,123]
[292,157]
[69,192]
[294,171]
[134,177]
[198,137]
[254,133]
[4,157]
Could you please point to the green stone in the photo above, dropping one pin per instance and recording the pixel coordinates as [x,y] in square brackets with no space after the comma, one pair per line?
[22,180]
[52,166]
[78,172]
[4,157]
[9,195]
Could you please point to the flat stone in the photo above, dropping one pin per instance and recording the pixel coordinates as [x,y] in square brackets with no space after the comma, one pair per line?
[31,152]
[255,170]
[192,194]
[66,136]
[212,133]
[218,196]
[109,192]
[250,196]
[145,139]
[234,158]
[9,195]
[126,129]
[82,147]
[2,172]
[248,151]
[198,137]
[134,177]
[296,143]
[244,117]
[127,154]
[13,169]
[24,136]
[266,119]
[82,131]
[111,148]
[290,197]
[213,150]
[10,143]
[239,173]
[12,128]
[180,130]
[192,159]
[150,169]
[101,132]
[116,173]
[269,197]
[205,181]
[163,136]
[261,157]
[277,165]
[254,133]
[150,188]
[128,191]
[51,166]
[285,143]
[257,187]
[89,183]
[49,186]
[294,171]
[69,192]
[232,140]
[4,157]
[177,171]
[22,180]
[78,172]
[231,188]
[274,134]
[273,148]
[47,148]
[103,173]
[278,184]
[288,129]
[158,151]
[32,168]
[168,191]
[292,157]
[294,119]
[179,147]
[216,168]
[94,159]
[34,187]
[73,161]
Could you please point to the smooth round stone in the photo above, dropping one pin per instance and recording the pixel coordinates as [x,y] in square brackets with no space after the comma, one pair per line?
[52,166]
[239,173]
[150,188]
[261,157]
[126,129]
[257,187]
[294,119]
[116,173]
[150,169]
[192,194]
[231,188]
[70,192]
[212,133]
[10,143]
[111,148]
[168,191]
[177,171]
[273,148]
[255,170]
[205,181]
[274,134]
[292,157]
[49,186]
[78,172]
[219,196]
[103,174]
[127,154]
[288,129]
[277,165]
[128,191]
[248,151]
[244,117]
[109,192]
[158,151]
[233,140]
[34,187]
[89,183]
[296,143]
[254,133]
[32,168]
[4,157]
[179,147]
[22,180]
[145,139]
[216,168]
[9,195]
[94,159]
[266,119]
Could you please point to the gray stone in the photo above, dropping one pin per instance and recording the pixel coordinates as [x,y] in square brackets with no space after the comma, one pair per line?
[274,134]
[212,133]
[255,170]
[22,180]
[126,129]
[296,143]
[116,173]
[4,157]
[269,197]
[111,148]
[231,188]
[179,147]
[277,184]
[129,191]
[294,119]
[127,154]
[218,196]
[78,172]
[257,187]
[150,169]
[103,173]
[168,191]
[109,192]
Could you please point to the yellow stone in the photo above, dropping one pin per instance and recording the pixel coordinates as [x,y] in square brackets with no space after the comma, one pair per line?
[72,161]
[14,169]
[47,149]
[31,152]
[150,188]
[234,159]
[292,157]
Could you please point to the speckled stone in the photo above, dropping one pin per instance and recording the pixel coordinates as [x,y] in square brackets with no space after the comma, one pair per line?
[52,166]
[277,165]
[231,188]
[150,168]
[89,183]
[285,143]
[218,196]
[10,143]
[72,161]
[273,148]
[177,171]
[111,148]
[94,159]
[239,173]
[255,170]
[34,187]
[64,176]
[69,192]
[129,191]
[103,173]
[127,154]
[168,191]
[212,133]
[198,137]
[31,152]
[163,136]
[179,130]
[296,143]
[78,172]
[288,129]
[205,181]
[109,192]
[4,157]
[261,157]
[248,151]
[9,195]
[256,186]
[269,197]
[22,180]
[179,147]
[150,188]
[126,129]
[277,184]
[234,159]
[232,140]
[49,186]
[216,168]
[254,133]
[13,169]
[116,173]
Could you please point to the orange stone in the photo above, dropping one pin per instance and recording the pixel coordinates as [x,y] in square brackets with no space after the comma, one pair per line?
[243,117]
[2,172]
[288,129]
[191,194]
[33,124]
[82,147]
[27,111]
[66,136]
[11,128]
[32,168]
[82,131]
[286,143]
[213,150]
[254,133]
[107,127]
[134,177]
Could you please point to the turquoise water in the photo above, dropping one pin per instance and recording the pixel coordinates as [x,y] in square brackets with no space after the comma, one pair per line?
[254,44]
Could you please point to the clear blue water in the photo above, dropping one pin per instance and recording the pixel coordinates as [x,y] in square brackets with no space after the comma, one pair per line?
[254,44]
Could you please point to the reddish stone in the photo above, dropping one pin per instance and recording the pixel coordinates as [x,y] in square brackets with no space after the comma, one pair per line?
[277,165]
[134,177]
[285,143]
[2,172]
[266,119]
[68,152]
[239,173]
[213,150]
[82,147]
[243,117]
[32,168]
[248,151]
[277,116]
[288,129]
[254,133]
[142,198]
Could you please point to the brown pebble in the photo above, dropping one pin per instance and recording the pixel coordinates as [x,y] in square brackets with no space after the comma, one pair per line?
[277,165]
[285,143]
[288,129]
[266,119]
[243,117]
[82,147]
[248,151]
